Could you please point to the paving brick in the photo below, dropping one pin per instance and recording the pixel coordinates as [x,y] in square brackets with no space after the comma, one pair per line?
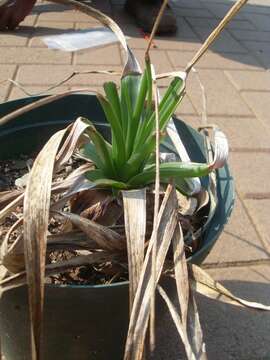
[14,55]
[66,16]
[30,75]
[250,35]
[184,40]
[239,241]
[220,10]
[251,171]
[18,37]
[256,8]
[222,97]
[216,61]
[6,72]
[193,12]
[212,23]
[264,58]
[109,55]
[185,107]
[224,43]
[258,47]
[259,210]
[249,80]
[260,105]
[192,4]
[48,28]
[202,22]
[59,12]
[239,140]
[158,57]
[261,22]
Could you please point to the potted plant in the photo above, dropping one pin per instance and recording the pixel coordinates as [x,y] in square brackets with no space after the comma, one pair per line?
[126,209]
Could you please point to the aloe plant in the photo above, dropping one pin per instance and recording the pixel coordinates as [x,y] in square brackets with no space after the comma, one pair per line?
[128,161]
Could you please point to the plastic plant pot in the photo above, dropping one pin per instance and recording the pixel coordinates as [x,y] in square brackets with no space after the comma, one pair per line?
[84,322]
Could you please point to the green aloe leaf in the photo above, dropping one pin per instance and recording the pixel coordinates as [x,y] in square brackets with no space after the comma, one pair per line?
[118,144]
[113,98]
[89,150]
[170,170]
[130,86]
[100,180]
[103,149]
[169,103]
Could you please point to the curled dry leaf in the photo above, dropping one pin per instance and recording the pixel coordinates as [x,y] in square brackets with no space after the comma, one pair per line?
[206,285]
[221,149]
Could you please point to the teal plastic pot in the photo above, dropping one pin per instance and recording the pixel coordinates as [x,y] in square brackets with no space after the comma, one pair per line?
[83,322]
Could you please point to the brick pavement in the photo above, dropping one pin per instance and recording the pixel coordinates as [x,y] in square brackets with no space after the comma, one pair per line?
[236,76]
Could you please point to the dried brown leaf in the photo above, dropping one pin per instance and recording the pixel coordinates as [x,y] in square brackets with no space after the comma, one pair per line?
[7,196]
[181,273]
[167,221]
[36,220]
[206,285]
[134,202]
[195,333]
[105,237]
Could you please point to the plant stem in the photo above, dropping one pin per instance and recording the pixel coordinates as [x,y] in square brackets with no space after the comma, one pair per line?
[155,27]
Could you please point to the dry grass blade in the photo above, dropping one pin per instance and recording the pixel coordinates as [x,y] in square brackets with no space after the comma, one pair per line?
[105,238]
[11,206]
[72,239]
[181,273]
[195,333]
[36,216]
[134,202]
[44,101]
[7,196]
[56,268]
[12,257]
[63,81]
[157,185]
[167,221]
[178,323]
[155,27]
[206,285]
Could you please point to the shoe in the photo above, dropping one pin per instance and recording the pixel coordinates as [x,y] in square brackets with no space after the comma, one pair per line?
[145,14]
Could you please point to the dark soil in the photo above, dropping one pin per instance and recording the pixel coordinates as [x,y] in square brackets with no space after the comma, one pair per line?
[11,170]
